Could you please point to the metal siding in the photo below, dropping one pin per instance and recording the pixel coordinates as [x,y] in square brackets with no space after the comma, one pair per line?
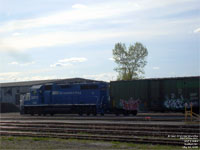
[125,90]
[180,91]
[153,93]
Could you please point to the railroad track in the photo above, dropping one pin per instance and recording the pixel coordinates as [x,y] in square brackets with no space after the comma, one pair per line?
[107,117]
[137,132]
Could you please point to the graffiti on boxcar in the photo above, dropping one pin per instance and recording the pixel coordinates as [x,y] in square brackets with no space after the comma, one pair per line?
[130,104]
[178,102]
[194,99]
[174,103]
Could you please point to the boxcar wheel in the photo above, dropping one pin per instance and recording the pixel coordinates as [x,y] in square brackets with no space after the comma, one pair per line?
[134,113]
[102,114]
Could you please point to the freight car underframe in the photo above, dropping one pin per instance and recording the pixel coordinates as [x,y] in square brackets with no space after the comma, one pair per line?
[72,109]
[118,112]
[60,109]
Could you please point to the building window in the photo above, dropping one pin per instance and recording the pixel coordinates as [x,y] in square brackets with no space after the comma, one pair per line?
[8,91]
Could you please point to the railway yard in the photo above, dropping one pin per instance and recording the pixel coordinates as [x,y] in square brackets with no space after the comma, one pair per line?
[145,128]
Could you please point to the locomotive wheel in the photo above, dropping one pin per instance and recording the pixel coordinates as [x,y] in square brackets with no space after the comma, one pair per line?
[125,113]
[88,114]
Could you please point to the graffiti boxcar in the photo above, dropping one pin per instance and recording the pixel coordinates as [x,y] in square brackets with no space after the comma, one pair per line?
[166,94]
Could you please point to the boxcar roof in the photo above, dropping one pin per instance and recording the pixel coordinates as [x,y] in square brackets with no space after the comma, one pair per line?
[167,78]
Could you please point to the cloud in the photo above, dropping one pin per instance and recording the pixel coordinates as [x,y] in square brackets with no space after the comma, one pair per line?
[93,11]
[109,76]
[68,62]
[112,59]
[16,34]
[13,63]
[79,6]
[197,30]
[20,35]
[73,59]
[81,12]
[23,43]
[61,65]
[8,76]
[32,78]
[21,64]
[21,76]
[156,68]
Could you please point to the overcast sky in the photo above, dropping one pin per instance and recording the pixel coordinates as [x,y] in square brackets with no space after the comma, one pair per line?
[54,39]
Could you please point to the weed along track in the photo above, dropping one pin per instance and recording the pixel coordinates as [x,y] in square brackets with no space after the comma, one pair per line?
[137,132]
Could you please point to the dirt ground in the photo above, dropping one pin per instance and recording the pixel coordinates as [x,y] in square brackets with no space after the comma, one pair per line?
[28,143]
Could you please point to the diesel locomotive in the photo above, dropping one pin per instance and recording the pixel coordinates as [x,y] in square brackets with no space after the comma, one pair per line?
[78,98]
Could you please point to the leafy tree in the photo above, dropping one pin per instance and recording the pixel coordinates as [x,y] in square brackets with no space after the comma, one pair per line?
[130,62]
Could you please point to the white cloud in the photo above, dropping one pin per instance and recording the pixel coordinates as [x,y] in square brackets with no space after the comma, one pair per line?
[32,78]
[197,30]
[85,13]
[22,64]
[23,43]
[61,65]
[14,63]
[156,68]
[8,76]
[16,34]
[95,11]
[110,76]
[73,59]
[79,6]
[112,59]
[21,76]
[69,62]
[19,34]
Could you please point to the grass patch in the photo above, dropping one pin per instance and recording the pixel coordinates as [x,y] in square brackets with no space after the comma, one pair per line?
[20,142]
[9,138]
[124,145]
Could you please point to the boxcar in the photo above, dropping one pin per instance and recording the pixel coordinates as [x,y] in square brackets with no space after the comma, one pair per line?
[166,94]
[88,98]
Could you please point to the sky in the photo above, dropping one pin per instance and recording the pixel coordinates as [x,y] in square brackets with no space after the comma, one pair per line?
[57,39]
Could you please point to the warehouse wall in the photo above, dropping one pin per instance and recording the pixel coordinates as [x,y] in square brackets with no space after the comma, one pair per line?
[12,94]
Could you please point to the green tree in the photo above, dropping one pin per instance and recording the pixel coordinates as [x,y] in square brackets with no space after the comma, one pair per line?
[130,62]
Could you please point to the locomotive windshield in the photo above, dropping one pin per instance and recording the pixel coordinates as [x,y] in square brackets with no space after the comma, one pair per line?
[48,87]
[33,92]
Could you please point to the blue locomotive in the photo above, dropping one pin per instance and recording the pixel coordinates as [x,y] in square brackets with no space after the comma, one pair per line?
[81,98]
